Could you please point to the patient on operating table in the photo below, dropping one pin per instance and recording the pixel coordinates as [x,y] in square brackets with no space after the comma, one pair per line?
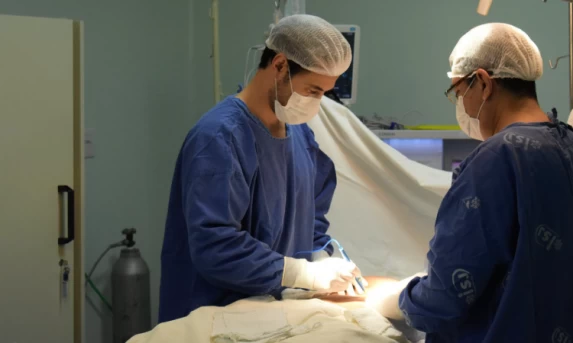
[374,285]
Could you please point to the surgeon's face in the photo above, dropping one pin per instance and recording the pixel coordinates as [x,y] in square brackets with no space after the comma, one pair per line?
[466,88]
[304,82]
[478,100]
[475,89]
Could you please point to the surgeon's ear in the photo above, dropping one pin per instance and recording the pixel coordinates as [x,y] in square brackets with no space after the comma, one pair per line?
[486,83]
[280,64]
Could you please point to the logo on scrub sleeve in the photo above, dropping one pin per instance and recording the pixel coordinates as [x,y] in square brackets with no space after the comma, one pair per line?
[548,239]
[521,141]
[561,336]
[464,285]
[471,203]
[505,280]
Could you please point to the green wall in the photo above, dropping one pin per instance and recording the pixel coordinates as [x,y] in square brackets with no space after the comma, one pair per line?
[136,96]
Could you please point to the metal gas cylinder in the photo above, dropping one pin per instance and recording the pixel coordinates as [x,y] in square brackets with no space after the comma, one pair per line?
[131,301]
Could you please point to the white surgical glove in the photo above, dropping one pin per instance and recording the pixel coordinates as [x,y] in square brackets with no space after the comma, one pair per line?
[384,298]
[328,275]
[354,288]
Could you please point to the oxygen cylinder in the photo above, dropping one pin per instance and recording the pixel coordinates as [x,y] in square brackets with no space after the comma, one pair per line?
[131,301]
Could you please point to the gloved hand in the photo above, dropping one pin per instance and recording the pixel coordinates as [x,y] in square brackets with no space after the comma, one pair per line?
[352,289]
[328,275]
[355,289]
[384,298]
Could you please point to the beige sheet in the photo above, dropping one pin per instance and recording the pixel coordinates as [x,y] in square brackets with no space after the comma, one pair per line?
[329,311]
[334,327]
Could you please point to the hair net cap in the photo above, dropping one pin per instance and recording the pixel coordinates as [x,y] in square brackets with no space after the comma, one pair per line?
[311,42]
[502,49]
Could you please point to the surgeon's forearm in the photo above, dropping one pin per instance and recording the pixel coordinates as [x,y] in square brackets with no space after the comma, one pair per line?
[240,263]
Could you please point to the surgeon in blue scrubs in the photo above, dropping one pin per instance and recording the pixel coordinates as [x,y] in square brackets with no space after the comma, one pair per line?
[500,265]
[251,186]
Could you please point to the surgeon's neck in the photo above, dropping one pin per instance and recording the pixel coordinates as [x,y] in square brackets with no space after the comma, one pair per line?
[519,111]
[256,97]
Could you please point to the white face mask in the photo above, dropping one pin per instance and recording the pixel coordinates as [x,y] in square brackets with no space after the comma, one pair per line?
[298,110]
[470,126]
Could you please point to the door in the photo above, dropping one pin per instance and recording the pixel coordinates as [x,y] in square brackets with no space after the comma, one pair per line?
[39,117]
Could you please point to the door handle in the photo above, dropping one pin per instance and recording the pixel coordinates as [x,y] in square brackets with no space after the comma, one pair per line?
[71,215]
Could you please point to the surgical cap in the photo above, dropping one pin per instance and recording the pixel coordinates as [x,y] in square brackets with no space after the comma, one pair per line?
[311,42]
[502,49]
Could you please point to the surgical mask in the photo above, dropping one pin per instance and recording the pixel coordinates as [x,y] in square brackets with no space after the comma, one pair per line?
[298,110]
[470,126]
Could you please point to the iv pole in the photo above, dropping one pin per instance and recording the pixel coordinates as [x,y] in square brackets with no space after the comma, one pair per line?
[554,65]
[214,14]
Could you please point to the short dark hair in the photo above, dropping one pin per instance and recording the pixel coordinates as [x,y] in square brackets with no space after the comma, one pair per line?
[519,88]
[268,56]
[516,87]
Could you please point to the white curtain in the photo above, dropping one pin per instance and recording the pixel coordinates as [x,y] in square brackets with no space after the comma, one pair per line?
[385,205]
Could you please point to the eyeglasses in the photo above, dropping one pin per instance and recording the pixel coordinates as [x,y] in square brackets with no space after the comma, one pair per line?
[451,92]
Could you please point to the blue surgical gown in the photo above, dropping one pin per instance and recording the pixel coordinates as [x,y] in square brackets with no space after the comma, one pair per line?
[240,201]
[501,260]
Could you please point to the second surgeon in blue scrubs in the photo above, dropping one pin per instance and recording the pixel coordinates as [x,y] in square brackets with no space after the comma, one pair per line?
[251,187]
[499,265]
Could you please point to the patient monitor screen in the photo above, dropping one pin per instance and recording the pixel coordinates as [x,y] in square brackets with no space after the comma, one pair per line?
[343,86]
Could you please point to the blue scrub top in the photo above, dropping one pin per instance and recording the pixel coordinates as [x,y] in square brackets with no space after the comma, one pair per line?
[240,201]
[501,261]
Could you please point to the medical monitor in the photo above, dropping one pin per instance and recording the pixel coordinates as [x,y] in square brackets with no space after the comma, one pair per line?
[346,86]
